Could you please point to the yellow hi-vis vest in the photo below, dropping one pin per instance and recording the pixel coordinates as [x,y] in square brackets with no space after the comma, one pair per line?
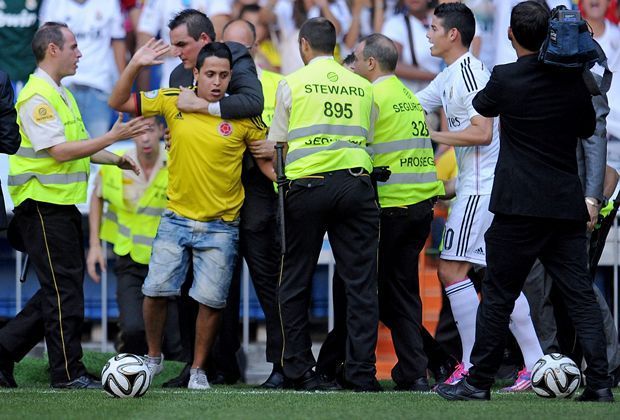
[330,120]
[132,231]
[270,81]
[401,142]
[38,175]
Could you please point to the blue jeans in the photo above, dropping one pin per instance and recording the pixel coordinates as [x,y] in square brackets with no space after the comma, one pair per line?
[213,249]
[93,104]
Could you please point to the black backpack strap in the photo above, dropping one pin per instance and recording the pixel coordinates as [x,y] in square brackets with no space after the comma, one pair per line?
[414,61]
[594,87]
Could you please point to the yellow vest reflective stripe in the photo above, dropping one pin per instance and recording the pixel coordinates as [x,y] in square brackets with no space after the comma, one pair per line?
[28,152]
[270,81]
[39,176]
[132,231]
[330,120]
[401,142]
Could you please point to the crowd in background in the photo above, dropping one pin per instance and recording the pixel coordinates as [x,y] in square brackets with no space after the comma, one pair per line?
[108,33]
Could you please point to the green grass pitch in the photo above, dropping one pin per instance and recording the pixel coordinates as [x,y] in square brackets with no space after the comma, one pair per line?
[34,399]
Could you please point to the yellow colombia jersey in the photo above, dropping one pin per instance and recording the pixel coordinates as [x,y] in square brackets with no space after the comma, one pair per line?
[204,161]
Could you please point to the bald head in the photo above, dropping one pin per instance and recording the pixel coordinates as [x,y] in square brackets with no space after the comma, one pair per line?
[240,31]
[382,49]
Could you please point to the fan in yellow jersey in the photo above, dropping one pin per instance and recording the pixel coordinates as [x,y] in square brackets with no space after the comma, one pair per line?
[204,198]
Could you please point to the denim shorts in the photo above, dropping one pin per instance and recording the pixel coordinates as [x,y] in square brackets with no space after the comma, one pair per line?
[213,249]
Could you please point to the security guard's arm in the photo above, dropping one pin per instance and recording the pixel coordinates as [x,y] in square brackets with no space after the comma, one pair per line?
[72,150]
[263,149]
[95,252]
[148,55]
[103,157]
[479,133]
[278,132]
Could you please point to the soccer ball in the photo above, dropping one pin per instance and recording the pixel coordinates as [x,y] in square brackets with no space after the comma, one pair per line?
[126,375]
[555,376]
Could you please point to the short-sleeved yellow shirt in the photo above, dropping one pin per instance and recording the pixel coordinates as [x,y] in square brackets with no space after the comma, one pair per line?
[204,161]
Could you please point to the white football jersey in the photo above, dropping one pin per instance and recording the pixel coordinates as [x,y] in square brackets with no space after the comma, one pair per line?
[454,89]
[95,23]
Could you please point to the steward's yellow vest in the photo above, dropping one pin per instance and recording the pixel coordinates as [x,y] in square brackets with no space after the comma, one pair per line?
[401,142]
[38,175]
[330,120]
[132,230]
[270,81]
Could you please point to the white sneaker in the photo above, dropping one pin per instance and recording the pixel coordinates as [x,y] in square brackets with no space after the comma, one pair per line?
[198,379]
[155,364]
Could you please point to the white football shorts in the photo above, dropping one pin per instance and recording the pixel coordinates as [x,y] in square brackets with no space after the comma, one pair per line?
[463,235]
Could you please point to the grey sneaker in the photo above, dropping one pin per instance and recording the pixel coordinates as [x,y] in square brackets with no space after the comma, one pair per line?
[155,364]
[198,379]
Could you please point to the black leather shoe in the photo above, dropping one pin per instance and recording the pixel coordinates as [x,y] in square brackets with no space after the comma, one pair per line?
[81,382]
[418,385]
[373,386]
[180,381]
[311,381]
[222,379]
[443,371]
[463,391]
[596,395]
[7,380]
[275,381]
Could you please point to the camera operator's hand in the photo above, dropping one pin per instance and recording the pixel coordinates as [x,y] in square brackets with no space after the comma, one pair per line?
[593,211]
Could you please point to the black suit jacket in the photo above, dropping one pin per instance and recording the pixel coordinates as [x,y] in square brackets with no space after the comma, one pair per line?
[246,92]
[9,130]
[543,110]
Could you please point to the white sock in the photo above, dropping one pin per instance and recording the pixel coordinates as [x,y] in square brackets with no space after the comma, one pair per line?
[522,328]
[464,303]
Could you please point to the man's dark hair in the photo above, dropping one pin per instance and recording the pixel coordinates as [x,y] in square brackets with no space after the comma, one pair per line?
[249,8]
[48,33]
[529,22]
[320,34]
[213,49]
[348,60]
[250,26]
[382,49]
[460,17]
[196,21]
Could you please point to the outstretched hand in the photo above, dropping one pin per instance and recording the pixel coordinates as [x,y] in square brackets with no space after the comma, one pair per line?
[130,129]
[150,53]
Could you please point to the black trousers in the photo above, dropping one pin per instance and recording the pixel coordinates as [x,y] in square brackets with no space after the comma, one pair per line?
[342,205]
[513,244]
[130,276]
[52,237]
[260,248]
[403,234]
